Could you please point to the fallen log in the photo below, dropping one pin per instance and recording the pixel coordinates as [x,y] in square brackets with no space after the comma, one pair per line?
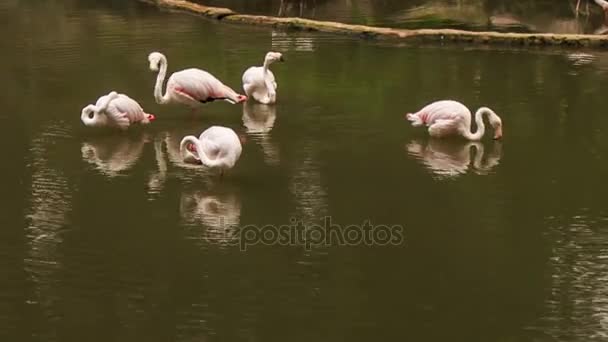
[433,35]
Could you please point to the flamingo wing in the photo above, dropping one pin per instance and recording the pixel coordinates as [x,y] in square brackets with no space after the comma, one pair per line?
[252,75]
[210,148]
[253,82]
[272,80]
[199,85]
[118,116]
[129,106]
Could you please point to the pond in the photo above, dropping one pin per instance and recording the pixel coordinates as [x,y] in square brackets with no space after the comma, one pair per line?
[477,15]
[108,235]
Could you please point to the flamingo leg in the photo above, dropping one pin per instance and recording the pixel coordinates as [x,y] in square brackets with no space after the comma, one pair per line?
[193,114]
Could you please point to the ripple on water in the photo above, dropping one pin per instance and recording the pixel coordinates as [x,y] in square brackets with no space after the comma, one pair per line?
[577,306]
[47,212]
[113,155]
[212,216]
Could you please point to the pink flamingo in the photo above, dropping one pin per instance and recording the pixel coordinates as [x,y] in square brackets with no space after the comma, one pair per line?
[115,110]
[447,117]
[192,87]
[217,147]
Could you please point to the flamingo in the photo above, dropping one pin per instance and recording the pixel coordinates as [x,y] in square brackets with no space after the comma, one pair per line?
[115,110]
[447,117]
[259,82]
[217,148]
[192,87]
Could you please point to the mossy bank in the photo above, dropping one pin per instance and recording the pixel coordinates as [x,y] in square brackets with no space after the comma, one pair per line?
[426,35]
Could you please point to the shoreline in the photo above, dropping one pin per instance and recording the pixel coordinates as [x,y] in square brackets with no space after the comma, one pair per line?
[385,33]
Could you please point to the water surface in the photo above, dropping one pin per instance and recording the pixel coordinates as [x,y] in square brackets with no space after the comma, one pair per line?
[476,15]
[109,236]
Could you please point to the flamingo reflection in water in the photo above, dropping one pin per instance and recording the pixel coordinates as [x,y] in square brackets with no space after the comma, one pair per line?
[450,159]
[283,41]
[168,150]
[218,210]
[112,155]
[258,120]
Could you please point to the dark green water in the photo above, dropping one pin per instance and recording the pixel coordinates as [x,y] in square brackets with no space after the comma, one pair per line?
[106,236]
[478,15]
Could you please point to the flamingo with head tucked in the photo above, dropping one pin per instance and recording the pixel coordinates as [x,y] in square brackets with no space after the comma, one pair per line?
[259,82]
[447,118]
[217,148]
[115,110]
[192,87]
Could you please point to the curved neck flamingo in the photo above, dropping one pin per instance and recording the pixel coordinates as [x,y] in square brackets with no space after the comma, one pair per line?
[90,114]
[270,87]
[160,79]
[200,152]
[481,127]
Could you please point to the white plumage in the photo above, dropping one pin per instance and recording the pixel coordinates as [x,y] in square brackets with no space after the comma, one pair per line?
[115,110]
[259,82]
[192,87]
[217,148]
[447,117]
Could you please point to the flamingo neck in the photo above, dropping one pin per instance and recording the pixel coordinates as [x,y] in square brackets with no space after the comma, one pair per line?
[97,119]
[231,95]
[481,127]
[269,86]
[188,156]
[160,78]
[266,66]
[199,155]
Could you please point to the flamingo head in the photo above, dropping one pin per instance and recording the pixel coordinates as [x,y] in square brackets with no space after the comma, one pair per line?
[272,57]
[148,118]
[155,59]
[191,147]
[498,132]
[241,98]
[496,123]
[193,156]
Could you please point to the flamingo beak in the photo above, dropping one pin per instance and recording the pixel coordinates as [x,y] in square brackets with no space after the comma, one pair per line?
[242,138]
[151,117]
[242,98]
[191,147]
[498,133]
